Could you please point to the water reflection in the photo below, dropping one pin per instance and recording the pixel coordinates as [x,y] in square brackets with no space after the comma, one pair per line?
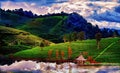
[42,67]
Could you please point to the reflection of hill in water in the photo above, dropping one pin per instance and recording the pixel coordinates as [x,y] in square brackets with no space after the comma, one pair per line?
[41,67]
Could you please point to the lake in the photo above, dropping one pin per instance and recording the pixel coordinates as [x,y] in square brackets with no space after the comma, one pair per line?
[42,67]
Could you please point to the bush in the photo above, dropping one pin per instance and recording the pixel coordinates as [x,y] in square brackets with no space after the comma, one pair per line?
[13,49]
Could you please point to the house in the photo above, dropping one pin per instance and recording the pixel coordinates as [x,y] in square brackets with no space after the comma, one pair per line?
[80,60]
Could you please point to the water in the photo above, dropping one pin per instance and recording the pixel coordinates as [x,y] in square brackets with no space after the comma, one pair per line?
[42,67]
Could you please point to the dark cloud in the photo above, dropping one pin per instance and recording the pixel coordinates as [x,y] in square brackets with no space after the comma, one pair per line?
[107,16]
[110,16]
[117,9]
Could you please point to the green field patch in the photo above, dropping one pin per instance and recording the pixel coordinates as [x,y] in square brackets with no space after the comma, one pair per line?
[110,55]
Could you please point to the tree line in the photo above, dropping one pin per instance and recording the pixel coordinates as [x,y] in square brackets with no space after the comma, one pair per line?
[74,36]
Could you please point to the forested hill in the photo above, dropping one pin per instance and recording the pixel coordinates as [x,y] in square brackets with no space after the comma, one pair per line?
[52,26]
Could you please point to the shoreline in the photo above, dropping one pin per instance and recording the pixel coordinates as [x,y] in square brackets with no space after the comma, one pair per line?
[10,60]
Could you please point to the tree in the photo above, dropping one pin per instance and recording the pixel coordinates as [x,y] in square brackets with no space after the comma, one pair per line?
[57,54]
[49,54]
[64,38]
[98,38]
[62,54]
[74,36]
[42,45]
[70,37]
[69,52]
[81,35]
[115,33]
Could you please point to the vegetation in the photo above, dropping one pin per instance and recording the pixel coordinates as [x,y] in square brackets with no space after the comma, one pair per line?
[13,40]
[98,38]
[52,27]
[46,27]
[78,35]
[111,55]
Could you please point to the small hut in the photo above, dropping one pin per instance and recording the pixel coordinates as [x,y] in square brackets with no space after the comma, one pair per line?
[80,60]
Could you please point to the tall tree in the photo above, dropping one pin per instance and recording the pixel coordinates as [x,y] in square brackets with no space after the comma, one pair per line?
[42,45]
[49,54]
[98,38]
[57,54]
[81,35]
[69,52]
[65,38]
[115,33]
[62,54]
[70,37]
[74,36]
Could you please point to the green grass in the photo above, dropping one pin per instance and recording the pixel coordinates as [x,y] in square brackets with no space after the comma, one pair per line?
[42,24]
[111,55]
[46,27]
[16,40]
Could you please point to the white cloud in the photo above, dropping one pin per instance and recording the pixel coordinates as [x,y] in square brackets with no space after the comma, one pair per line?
[26,6]
[88,9]
[33,4]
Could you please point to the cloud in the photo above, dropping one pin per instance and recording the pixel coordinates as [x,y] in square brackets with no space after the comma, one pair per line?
[105,14]
[117,9]
[26,6]
[38,2]
[6,0]
[109,16]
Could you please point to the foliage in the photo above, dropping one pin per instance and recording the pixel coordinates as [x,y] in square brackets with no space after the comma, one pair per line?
[13,49]
[81,35]
[111,55]
[69,52]
[57,54]
[62,54]
[13,40]
[52,26]
[49,54]
[98,38]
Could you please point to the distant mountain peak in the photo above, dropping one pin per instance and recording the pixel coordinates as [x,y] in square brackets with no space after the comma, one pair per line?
[76,19]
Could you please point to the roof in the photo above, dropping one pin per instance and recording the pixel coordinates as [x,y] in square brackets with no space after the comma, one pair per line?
[81,58]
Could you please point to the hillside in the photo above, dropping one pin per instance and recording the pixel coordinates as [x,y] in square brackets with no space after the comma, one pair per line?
[14,40]
[49,27]
[12,19]
[107,53]
[54,27]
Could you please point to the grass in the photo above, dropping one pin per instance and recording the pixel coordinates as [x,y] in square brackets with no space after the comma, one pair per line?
[46,27]
[42,24]
[111,55]
[16,40]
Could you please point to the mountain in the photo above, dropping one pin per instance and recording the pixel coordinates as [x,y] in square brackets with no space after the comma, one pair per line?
[54,27]
[104,13]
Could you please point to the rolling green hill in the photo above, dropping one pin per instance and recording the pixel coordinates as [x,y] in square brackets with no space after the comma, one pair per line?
[13,40]
[49,28]
[107,52]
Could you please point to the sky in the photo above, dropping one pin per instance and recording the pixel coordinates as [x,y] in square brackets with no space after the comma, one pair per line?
[104,13]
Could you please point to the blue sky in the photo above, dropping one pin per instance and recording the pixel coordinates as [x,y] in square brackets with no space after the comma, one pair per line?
[38,2]
[104,13]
